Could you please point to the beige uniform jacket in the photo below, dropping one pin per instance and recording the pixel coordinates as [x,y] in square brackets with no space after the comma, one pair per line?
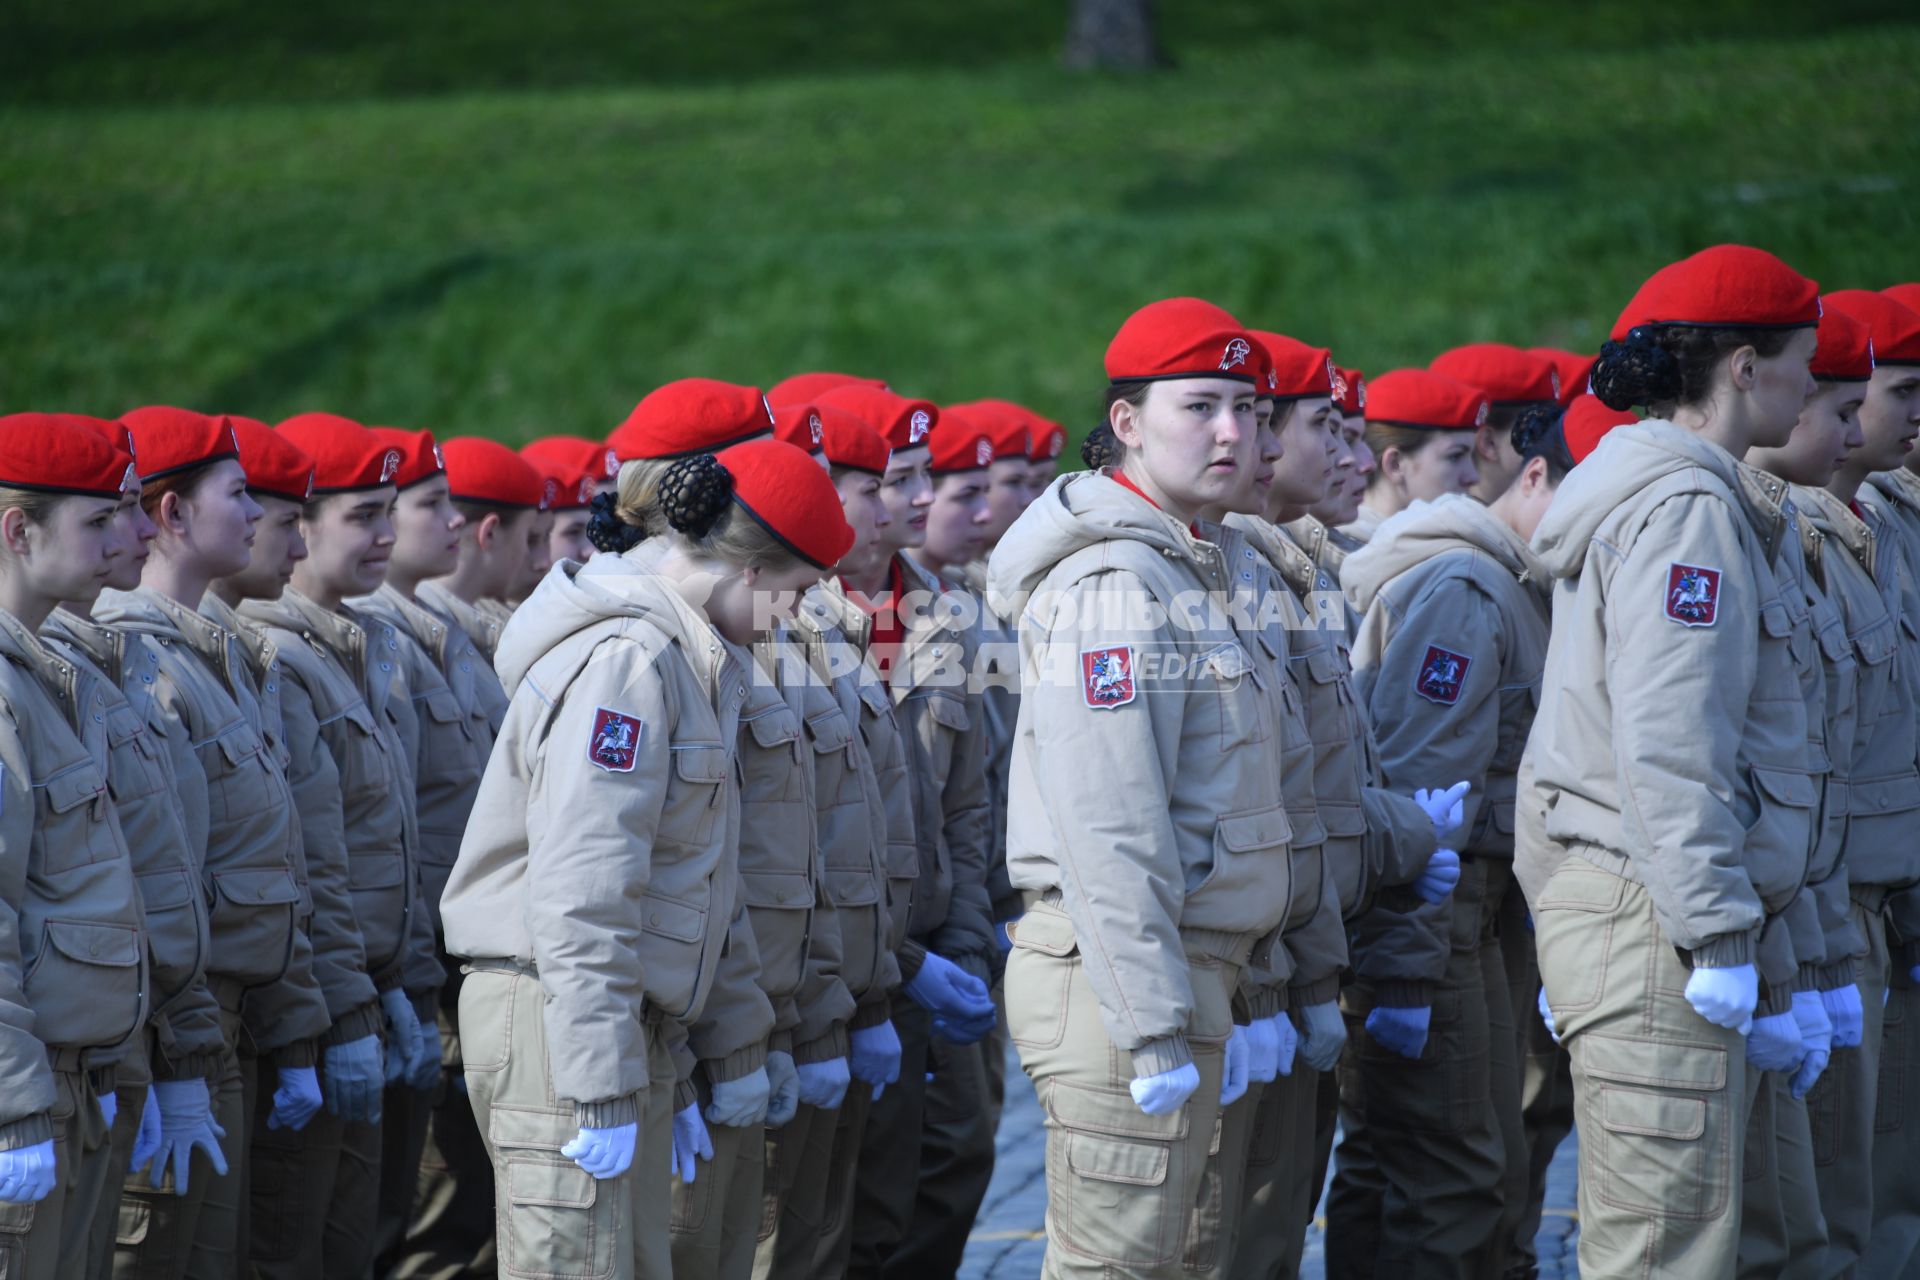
[866,807]
[73,949]
[1671,743]
[601,849]
[240,815]
[483,634]
[943,728]
[999,685]
[1377,841]
[146,757]
[1313,944]
[341,694]
[1891,502]
[1145,790]
[1327,548]
[445,676]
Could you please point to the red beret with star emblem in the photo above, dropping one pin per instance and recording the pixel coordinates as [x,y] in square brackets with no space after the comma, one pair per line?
[63,453]
[1845,349]
[346,456]
[800,426]
[1182,338]
[274,464]
[168,440]
[692,415]
[592,456]
[959,443]
[1895,329]
[1575,369]
[1427,400]
[1296,371]
[1509,375]
[420,455]
[487,471]
[1009,426]
[1350,391]
[811,386]
[902,422]
[851,443]
[1730,286]
[789,496]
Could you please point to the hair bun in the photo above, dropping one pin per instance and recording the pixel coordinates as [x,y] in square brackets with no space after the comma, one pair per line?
[1101,448]
[606,530]
[694,492]
[1638,371]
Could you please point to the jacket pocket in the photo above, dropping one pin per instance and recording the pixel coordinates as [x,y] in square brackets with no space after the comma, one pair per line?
[85,984]
[1664,1125]
[1039,978]
[1780,838]
[252,922]
[693,793]
[775,775]
[780,908]
[177,927]
[1251,880]
[135,768]
[1110,1173]
[1238,686]
[73,806]
[673,947]
[558,1225]
[365,771]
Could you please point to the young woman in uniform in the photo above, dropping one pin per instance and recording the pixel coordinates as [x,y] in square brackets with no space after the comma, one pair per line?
[1318,532]
[1447,663]
[73,985]
[1421,428]
[1515,382]
[575,992]
[582,469]
[343,700]
[1146,824]
[1669,756]
[261,968]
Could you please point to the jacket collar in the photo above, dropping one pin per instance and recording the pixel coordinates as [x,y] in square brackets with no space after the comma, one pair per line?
[337,633]
[105,646]
[1834,519]
[1769,504]
[26,650]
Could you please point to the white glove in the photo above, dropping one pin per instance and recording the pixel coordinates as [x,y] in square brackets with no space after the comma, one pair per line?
[1444,809]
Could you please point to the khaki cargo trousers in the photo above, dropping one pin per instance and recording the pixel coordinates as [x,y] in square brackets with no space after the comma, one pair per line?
[1661,1094]
[551,1216]
[1123,1187]
[48,1240]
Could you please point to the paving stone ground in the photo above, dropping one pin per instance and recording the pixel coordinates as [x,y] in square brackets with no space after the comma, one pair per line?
[1009,1239]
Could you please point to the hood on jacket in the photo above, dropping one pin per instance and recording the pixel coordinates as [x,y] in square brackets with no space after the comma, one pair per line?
[571,598]
[1411,537]
[1077,511]
[1628,460]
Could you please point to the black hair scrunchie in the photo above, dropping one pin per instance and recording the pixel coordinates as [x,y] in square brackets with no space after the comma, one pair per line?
[1101,448]
[607,531]
[1636,372]
[694,493]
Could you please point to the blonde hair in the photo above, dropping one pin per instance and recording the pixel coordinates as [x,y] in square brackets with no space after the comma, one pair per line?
[36,504]
[1382,436]
[636,497]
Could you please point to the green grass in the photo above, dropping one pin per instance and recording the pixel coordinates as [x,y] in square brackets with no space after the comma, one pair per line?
[507,220]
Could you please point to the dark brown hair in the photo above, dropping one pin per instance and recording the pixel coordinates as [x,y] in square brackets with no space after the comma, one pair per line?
[1673,363]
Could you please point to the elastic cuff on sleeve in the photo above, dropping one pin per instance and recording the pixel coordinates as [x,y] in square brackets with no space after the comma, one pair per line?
[741,1062]
[608,1115]
[1724,952]
[1157,1057]
[28,1131]
[685,1094]
[356,1024]
[1404,995]
[188,1066]
[825,1049]
[1831,977]
[1264,1002]
[912,955]
[301,1053]
[871,1013]
[1774,999]
[1319,991]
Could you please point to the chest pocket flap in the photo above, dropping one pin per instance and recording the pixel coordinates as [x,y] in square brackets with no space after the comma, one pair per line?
[775,727]
[700,763]
[830,732]
[949,711]
[74,786]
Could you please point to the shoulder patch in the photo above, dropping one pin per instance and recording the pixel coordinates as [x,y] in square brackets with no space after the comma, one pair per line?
[1106,677]
[615,745]
[1693,594]
[1442,674]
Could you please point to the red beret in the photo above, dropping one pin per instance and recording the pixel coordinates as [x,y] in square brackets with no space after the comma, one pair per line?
[1586,420]
[1425,399]
[63,453]
[1295,371]
[1845,350]
[959,443]
[851,443]
[115,432]
[576,452]
[693,415]
[346,456]
[273,463]
[1907,295]
[811,386]
[420,456]
[487,471]
[1182,338]
[790,497]
[902,422]
[1729,286]
[169,440]
[799,425]
[568,488]
[1574,368]
[1350,391]
[1895,329]
[1009,426]
[1507,374]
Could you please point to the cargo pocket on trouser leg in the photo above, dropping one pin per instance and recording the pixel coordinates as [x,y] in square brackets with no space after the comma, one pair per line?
[16,1220]
[1662,1126]
[1112,1176]
[556,1221]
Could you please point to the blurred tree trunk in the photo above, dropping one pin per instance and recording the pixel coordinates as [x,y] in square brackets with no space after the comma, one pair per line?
[1112,35]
